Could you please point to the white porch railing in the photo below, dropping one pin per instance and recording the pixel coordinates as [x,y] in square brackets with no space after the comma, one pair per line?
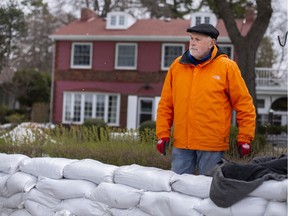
[269,77]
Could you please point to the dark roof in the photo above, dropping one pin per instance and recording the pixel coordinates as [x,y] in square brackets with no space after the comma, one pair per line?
[149,27]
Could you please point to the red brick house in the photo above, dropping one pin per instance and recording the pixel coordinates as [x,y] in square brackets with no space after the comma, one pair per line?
[114,68]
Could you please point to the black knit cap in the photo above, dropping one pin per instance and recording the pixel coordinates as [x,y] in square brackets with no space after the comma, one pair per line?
[206,29]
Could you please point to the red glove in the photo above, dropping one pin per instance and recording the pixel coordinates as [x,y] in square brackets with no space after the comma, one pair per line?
[243,148]
[162,145]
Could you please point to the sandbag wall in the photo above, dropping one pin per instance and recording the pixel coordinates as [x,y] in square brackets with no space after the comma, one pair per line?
[66,187]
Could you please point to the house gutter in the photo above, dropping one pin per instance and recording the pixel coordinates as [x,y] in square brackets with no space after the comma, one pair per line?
[128,38]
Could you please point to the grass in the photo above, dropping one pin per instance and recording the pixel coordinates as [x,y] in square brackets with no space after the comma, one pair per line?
[114,146]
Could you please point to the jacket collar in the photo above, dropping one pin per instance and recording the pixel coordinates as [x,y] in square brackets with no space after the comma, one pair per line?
[185,59]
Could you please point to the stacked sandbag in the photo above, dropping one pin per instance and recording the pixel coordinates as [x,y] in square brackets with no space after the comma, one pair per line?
[45,166]
[49,189]
[269,199]
[96,199]
[13,183]
[275,192]
[116,195]
[90,170]
[66,187]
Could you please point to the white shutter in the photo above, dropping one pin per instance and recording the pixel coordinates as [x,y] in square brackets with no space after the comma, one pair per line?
[131,112]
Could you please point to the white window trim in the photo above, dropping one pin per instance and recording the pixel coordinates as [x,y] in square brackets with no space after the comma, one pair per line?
[135,57]
[201,16]
[114,19]
[72,65]
[94,104]
[139,108]
[128,20]
[232,49]
[117,109]
[121,18]
[163,53]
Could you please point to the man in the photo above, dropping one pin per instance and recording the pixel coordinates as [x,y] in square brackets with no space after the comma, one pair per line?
[201,89]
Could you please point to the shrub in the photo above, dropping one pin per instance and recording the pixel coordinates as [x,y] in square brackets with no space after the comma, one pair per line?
[95,122]
[97,125]
[262,129]
[147,131]
[147,124]
[16,118]
[284,129]
[272,129]
[3,112]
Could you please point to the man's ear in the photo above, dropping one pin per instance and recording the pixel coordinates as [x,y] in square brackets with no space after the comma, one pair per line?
[213,42]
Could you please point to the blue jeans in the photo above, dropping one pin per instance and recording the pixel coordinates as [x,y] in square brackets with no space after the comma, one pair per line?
[185,160]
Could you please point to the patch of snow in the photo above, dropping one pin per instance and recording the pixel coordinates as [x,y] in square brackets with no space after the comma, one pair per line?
[26,132]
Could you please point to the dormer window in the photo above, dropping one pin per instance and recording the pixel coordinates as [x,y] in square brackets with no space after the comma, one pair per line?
[198,20]
[203,17]
[113,21]
[207,20]
[119,20]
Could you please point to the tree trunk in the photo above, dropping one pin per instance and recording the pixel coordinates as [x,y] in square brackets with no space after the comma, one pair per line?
[246,62]
[246,45]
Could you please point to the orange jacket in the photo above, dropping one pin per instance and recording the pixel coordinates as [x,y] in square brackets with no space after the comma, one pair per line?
[198,102]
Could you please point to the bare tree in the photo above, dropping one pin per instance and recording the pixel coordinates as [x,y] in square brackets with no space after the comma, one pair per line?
[246,46]
[172,9]
[277,32]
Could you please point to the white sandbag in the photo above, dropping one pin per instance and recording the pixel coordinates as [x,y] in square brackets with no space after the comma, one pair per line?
[64,213]
[249,206]
[147,178]
[15,201]
[272,190]
[9,163]
[83,207]
[168,204]
[127,212]
[19,182]
[4,174]
[45,166]
[193,185]
[3,181]
[276,209]
[208,208]
[41,198]
[6,211]
[36,209]
[116,195]
[64,188]
[91,170]
[20,212]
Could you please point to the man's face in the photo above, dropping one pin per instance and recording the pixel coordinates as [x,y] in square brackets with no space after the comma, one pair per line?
[200,45]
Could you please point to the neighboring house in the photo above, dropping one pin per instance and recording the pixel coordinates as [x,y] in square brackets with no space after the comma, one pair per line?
[114,68]
[271,89]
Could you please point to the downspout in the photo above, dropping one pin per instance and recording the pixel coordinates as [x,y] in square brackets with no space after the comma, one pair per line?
[52,81]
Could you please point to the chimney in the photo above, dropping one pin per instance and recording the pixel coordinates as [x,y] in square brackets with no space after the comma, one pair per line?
[87,14]
[250,13]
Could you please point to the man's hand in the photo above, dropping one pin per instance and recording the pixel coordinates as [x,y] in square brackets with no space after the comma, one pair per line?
[162,145]
[243,148]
